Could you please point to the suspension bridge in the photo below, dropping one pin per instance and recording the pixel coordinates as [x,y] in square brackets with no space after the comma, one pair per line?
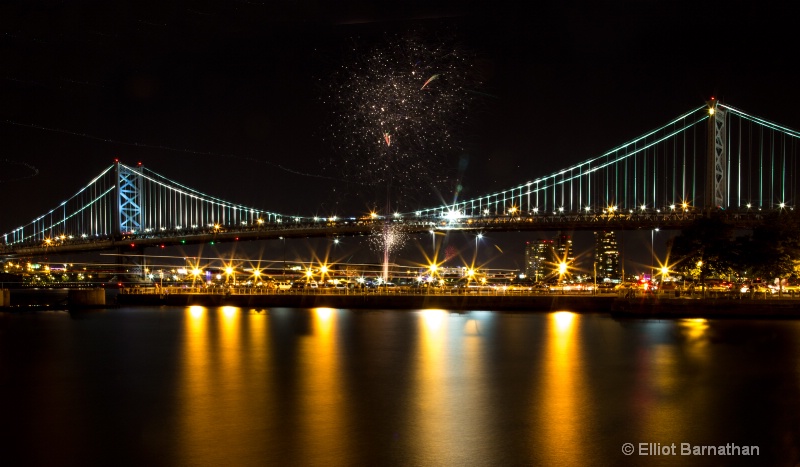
[712,160]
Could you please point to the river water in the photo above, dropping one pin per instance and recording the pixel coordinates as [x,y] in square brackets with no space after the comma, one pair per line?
[336,387]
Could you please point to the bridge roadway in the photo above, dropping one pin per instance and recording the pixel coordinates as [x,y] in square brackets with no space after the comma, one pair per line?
[348,227]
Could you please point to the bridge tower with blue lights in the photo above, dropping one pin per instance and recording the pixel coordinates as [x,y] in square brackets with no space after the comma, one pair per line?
[130,199]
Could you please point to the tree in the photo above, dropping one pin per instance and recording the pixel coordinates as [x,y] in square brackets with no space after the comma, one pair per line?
[774,250]
[704,248]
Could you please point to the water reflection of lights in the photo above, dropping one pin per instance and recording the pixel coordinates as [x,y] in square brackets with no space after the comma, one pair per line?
[433,318]
[196,311]
[563,320]
[323,313]
[564,401]
[320,386]
[431,394]
[225,357]
[694,328]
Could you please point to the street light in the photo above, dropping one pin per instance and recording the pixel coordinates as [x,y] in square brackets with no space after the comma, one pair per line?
[228,274]
[477,237]
[652,252]
[195,275]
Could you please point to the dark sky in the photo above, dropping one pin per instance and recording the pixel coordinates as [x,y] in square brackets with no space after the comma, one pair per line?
[220,94]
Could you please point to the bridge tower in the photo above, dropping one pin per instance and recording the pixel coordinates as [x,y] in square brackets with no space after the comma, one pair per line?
[130,199]
[716,174]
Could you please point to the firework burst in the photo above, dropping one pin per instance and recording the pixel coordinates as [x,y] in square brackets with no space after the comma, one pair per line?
[396,110]
[388,239]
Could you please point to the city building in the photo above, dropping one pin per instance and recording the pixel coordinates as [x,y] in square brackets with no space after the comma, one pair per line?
[564,251]
[543,257]
[538,256]
[606,257]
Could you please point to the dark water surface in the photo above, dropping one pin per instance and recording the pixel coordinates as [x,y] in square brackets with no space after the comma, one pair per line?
[231,386]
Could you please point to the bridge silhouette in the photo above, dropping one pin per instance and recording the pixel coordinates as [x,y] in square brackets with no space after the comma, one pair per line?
[713,160]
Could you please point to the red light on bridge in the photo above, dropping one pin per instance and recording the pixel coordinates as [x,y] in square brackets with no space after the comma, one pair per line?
[162,246]
[133,245]
[237,239]
[140,164]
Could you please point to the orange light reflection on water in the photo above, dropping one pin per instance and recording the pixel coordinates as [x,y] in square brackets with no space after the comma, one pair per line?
[430,399]
[323,415]
[218,369]
[451,395]
[663,388]
[564,404]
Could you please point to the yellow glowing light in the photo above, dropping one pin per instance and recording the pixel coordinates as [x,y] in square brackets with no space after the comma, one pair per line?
[711,110]
[564,319]
[470,272]
[323,313]
[433,318]
[433,267]
[196,311]
[323,269]
[229,270]
[562,268]
[309,273]
[196,272]
[694,328]
[664,271]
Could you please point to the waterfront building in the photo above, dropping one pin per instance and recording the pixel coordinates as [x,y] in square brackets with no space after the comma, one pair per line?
[563,250]
[538,256]
[606,257]
[543,257]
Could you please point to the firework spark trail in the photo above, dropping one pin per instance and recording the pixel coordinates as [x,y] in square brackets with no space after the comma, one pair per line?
[33,171]
[168,148]
[391,124]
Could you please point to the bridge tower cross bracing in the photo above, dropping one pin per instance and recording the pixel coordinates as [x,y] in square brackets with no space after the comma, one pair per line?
[130,199]
[716,174]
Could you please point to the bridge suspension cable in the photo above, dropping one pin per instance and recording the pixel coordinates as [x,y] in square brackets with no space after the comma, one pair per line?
[739,161]
[663,170]
[125,200]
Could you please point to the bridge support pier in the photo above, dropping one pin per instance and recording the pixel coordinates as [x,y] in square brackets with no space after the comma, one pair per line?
[5,297]
[130,263]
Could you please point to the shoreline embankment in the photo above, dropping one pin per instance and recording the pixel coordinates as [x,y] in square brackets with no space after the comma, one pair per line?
[641,306]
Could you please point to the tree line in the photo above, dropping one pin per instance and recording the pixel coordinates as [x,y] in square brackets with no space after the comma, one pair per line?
[712,248]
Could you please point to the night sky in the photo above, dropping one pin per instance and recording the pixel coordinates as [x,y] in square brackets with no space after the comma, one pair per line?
[227,96]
